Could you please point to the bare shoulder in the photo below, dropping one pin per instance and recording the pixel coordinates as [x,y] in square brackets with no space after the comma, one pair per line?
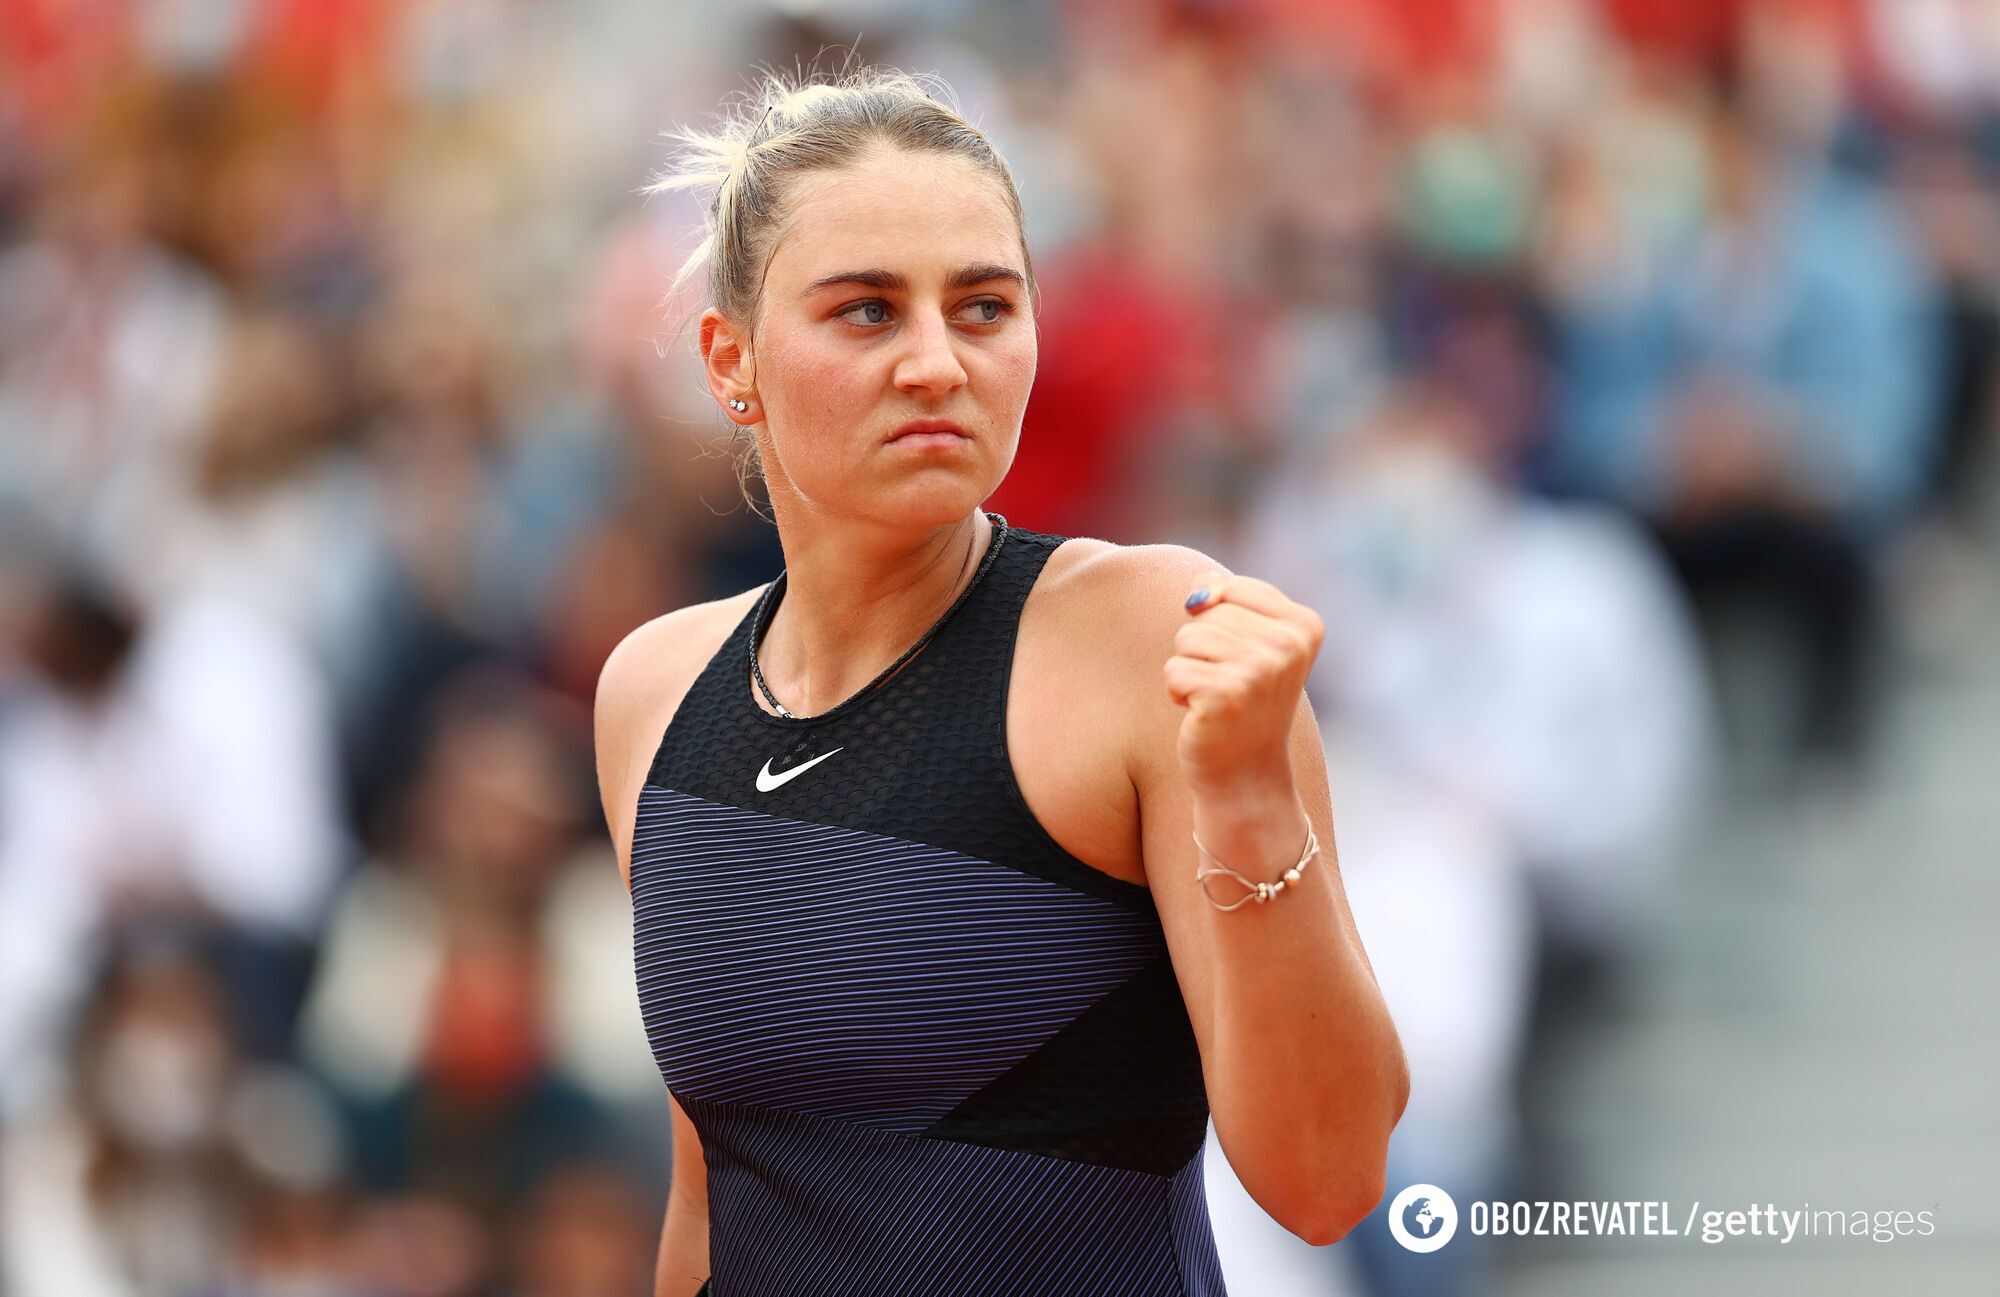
[639,689]
[1111,611]
[1147,569]
[1124,600]
[661,657]
[1095,578]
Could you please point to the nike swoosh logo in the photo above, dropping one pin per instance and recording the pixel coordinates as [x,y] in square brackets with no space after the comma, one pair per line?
[768,782]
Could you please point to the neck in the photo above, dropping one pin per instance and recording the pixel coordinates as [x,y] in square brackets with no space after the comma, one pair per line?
[856,598]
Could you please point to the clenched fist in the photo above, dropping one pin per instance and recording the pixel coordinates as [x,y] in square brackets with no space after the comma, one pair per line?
[1239,667]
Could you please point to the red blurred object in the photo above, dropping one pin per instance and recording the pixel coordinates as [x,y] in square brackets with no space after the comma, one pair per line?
[485,1043]
[1117,352]
[1393,41]
[314,53]
[56,56]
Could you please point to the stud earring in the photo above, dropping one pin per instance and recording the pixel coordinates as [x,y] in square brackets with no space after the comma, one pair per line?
[738,404]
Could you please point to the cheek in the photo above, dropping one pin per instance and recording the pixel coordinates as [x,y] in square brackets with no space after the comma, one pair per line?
[819,381]
[815,393]
[1012,369]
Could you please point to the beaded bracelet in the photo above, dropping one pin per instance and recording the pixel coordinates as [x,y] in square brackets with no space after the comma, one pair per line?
[1259,892]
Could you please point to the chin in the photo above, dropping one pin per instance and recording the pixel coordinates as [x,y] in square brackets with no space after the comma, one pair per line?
[936,499]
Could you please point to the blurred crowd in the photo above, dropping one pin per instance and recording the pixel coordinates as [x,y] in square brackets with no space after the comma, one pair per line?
[1542,345]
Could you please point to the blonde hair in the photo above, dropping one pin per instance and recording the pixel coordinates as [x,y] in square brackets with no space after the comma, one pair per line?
[784,129]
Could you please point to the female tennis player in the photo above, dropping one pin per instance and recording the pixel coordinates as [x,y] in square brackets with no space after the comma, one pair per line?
[971,867]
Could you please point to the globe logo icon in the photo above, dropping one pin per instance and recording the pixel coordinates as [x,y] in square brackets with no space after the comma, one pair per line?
[1423,1218]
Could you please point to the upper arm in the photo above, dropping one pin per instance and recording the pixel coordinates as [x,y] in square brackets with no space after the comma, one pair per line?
[638,690]
[1153,586]
[627,689]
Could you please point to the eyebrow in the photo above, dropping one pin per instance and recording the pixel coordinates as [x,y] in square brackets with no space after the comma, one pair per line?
[963,277]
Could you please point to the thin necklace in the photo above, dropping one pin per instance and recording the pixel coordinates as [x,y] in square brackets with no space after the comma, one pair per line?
[765,606]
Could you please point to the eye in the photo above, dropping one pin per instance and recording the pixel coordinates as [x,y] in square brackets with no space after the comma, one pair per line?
[872,304]
[999,306]
[874,311]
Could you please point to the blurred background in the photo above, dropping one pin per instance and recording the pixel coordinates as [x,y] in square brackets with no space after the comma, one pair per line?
[1615,376]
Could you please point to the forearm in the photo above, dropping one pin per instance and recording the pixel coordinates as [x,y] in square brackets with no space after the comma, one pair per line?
[1308,1076]
[683,1262]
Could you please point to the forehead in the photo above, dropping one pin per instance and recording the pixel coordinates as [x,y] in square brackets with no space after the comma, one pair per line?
[916,213]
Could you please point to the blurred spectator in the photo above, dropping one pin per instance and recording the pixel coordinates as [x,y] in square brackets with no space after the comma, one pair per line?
[130,1190]
[1519,708]
[1756,384]
[1113,366]
[1528,659]
[474,512]
[180,763]
[1440,889]
[433,1008]
[138,1180]
[586,1232]
[109,344]
[1950,198]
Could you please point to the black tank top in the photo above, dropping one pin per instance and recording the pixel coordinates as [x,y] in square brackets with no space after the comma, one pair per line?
[927,1050]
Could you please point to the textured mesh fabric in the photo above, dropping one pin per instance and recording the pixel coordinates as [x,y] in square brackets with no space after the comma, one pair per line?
[927,1049]
[934,739]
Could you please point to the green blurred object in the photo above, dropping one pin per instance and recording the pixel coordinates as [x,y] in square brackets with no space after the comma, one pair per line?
[1465,201]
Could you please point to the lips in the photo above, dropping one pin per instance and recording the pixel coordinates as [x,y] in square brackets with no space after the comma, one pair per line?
[931,431]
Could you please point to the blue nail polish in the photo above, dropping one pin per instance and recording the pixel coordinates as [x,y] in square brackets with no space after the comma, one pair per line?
[1197,599]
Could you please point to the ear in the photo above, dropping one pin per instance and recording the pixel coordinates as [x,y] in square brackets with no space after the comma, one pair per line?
[724,357]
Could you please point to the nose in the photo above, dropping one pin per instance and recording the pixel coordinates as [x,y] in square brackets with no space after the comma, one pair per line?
[931,365]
